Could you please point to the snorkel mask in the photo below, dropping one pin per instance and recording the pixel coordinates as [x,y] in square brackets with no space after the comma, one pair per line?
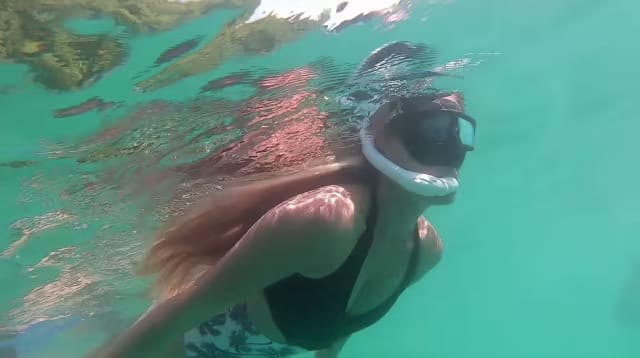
[435,132]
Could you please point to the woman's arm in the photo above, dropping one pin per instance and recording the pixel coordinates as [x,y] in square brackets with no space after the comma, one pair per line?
[277,246]
[333,351]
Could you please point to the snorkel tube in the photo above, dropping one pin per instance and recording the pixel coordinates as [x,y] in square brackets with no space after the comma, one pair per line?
[414,182]
[418,183]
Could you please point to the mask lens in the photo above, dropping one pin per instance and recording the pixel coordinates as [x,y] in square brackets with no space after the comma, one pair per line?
[438,138]
[435,129]
[467,133]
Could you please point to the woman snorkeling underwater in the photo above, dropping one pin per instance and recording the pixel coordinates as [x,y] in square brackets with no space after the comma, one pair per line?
[300,262]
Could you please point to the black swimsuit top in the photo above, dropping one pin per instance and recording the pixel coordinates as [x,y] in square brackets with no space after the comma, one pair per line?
[311,313]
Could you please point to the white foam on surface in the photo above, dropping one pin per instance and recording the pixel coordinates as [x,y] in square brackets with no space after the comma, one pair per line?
[314,10]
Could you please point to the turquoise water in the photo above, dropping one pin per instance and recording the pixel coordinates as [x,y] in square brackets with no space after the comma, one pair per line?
[541,252]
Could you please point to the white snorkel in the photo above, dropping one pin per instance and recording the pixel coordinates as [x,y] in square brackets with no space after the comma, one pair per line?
[414,182]
[417,183]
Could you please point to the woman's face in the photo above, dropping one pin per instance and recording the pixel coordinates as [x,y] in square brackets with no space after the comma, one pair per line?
[425,137]
[393,147]
[425,142]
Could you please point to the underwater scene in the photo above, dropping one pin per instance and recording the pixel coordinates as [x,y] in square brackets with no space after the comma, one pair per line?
[121,116]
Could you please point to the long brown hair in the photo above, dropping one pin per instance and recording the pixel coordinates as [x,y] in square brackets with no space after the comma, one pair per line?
[193,242]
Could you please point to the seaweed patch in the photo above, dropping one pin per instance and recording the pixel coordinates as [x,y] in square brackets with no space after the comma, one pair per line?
[94,103]
[227,81]
[177,50]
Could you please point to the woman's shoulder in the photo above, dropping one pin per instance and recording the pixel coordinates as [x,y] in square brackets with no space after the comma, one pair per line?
[326,222]
[338,206]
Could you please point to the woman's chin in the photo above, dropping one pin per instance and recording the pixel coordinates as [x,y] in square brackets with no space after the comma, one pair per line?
[397,153]
[439,171]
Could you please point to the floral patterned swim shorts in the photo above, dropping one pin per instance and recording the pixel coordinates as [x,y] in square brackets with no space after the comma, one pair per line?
[232,335]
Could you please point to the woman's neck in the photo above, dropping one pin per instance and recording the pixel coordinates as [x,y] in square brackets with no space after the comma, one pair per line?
[398,210]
